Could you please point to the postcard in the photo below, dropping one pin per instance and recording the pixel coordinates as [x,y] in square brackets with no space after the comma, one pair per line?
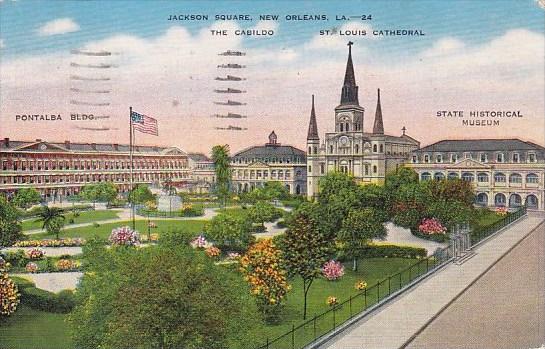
[272,174]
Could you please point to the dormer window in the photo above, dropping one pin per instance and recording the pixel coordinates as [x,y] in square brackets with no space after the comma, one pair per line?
[426,158]
[531,157]
[500,157]
[453,158]
[415,159]
[516,158]
[439,158]
[467,156]
[484,157]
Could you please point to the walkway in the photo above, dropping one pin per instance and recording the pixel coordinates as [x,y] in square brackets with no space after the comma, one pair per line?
[513,317]
[392,325]
[49,251]
[54,282]
[402,236]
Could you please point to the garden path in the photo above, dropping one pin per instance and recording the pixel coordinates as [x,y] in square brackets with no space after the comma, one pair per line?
[403,236]
[49,251]
[395,323]
[54,282]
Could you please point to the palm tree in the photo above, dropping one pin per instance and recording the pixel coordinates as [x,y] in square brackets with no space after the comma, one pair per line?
[52,218]
[220,156]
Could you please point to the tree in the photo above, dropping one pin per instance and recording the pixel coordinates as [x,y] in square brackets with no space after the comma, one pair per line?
[52,219]
[107,191]
[338,194]
[220,157]
[374,196]
[229,232]
[305,250]
[141,194]
[158,297]
[10,227]
[27,197]
[360,227]
[262,212]
[9,295]
[262,269]
[90,193]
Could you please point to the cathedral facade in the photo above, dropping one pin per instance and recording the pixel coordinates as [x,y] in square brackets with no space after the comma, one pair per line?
[349,149]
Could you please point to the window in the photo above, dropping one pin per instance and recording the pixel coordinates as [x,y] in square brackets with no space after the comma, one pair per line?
[382,148]
[322,168]
[374,148]
[453,158]
[309,168]
[342,127]
[468,177]
[439,158]
[484,157]
[426,176]
[453,175]
[531,157]
[331,149]
[310,150]
[499,157]
[366,170]
[357,148]
[414,159]
[532,178]
[516,157]
[467,156]
[438,176]
[375,169]
[482,177]
[499,177]
[426,158]
[515,178]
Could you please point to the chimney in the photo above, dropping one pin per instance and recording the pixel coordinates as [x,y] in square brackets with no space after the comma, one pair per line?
[6,142]
[116,146]
[94,146]
[67,144]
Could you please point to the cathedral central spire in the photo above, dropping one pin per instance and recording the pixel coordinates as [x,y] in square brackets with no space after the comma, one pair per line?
[312,126]
[378,126]
[349,93]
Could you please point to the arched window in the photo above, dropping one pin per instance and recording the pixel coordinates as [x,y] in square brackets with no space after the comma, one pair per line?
[310,150]
[515,178]
[382,148]
[439,176]
[347,127]
[331,149]
[342,127]
[357,148]
[453,175]
[531,201]
[500,200]
[482,177]
[315,151]
[515,200]
[500,157]
[499,177]
[374,148]
[467,176]
[481,199]
[425,176]
[426,158]
[532,178]
[375,170]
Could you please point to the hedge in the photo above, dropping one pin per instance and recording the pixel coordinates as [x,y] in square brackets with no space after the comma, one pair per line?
[62,302]
[431,237]
[387,251]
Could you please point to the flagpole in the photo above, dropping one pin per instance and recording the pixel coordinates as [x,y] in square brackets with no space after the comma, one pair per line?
[131,136]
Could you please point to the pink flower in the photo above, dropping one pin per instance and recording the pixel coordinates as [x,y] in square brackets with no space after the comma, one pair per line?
[199,242]
[333,270]
[431,226]
[124,236]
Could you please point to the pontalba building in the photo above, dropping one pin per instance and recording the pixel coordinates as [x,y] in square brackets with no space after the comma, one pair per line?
[505,172]
[365,156]
[58,170]
[253,167]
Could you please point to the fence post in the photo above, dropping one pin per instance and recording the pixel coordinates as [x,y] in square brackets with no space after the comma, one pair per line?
[389,285]
[400,281]
[427,265]
[410,269]
[365,297]
[350,305]
[334,309]
[378,292]
[292,336]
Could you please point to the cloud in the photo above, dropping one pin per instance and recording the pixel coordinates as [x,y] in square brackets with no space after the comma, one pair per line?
[505,72]
[58,26]
[2,43]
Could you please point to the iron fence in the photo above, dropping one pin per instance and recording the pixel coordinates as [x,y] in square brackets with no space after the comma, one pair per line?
[320,324]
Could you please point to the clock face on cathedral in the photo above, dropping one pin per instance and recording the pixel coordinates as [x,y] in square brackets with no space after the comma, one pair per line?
[343,140]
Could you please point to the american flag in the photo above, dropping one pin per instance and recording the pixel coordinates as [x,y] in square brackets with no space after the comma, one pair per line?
[144,123]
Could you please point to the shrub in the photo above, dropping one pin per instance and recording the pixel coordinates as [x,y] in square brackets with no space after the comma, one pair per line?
[62,302]
[31,267]
[35,253]
[69,242]
[192,210]
[124,236]
[430,226]
[389,251]
[333,270]
[9,295]
[66,264]
[431,237]
[16,258]
[281,224]
[213,252]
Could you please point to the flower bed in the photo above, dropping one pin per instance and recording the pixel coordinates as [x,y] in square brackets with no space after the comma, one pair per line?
[333,270]
[50,243]
[124,236]
[35,253]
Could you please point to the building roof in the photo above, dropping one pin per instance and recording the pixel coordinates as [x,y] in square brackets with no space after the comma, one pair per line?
[13,145]
[198,157]
[349,92]
[269,151]
[460,145]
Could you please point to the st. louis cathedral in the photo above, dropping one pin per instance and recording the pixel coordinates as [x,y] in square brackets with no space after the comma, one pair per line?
[366,156]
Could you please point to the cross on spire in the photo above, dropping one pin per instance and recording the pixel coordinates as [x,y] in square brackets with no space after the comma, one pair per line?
[404,129]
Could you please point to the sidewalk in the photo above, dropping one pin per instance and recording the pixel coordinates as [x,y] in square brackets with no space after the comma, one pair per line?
[395,323]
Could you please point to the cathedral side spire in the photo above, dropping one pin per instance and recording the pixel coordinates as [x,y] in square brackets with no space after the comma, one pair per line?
[349,93]
[378,126]
[312,126]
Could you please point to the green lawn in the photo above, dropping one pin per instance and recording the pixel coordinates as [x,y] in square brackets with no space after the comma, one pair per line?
[84,217]
[234,211]
[104,230]
[34,329]
[30,329]
[487,217]
[371,270]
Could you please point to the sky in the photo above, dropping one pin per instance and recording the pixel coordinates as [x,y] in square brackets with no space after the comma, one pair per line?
[475,55]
